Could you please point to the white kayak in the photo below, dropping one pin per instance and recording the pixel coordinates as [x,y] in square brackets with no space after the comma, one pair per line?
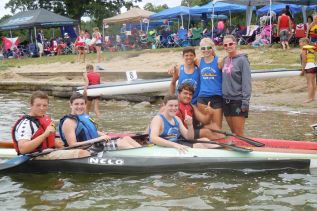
[162,85]
[7,152]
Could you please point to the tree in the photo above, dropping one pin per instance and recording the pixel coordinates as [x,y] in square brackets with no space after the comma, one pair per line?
[153,8]
[95,9]
[191,3]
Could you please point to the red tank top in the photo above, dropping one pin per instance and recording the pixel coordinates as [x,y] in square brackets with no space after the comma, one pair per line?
[284,22]
[93,78]
[181,111]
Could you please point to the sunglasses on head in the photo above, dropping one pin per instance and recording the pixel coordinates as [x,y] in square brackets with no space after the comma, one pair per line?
[205,48]
[228,44]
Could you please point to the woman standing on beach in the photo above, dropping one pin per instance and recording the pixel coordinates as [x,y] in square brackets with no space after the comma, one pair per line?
[236,86]
[210,93]
[97,42]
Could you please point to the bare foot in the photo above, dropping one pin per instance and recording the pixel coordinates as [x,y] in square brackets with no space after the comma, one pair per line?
[308,100]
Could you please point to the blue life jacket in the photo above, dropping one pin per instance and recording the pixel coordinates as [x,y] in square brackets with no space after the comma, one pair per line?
[192,79]
[86,129]
[210,78]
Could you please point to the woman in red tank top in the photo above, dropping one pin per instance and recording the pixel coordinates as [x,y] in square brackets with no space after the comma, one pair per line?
[91,78]
[284,28]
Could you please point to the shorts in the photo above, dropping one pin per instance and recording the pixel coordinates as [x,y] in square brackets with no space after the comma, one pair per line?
[233,108]
[99,44]
[110,145]
[61,154]
[91,98]
[81,48]
[215,101]
[284,33]
[311,70]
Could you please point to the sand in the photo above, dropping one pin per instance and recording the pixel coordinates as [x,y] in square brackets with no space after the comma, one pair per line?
[276,94]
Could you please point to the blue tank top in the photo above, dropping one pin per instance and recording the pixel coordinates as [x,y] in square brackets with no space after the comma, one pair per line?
[210,78]
[85,130]
[192,79]
[170,132]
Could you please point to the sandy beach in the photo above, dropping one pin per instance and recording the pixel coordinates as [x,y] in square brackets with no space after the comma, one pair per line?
[279,94]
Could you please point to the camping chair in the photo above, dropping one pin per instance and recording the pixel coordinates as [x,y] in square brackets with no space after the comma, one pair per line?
[182,35]
[249,36]
[196,36]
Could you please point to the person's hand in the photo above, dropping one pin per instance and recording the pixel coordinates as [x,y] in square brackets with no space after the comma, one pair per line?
[106,137]
[171,70]
[208,108]
[50,129]
[181,148]
[302,73]
[188,119]
[59,143]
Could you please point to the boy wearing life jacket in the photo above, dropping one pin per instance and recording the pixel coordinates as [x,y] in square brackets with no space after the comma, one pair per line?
[309,67]
[92,78]
[78,127]
[80,44]
[35,131]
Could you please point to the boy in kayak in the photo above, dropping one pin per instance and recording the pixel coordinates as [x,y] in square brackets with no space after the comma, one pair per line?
[186,73]
[166,128]
[92,78]
[35,132]
[200,121]
[78,126]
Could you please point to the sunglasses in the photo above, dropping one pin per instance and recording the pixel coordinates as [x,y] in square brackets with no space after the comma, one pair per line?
[228,44]
[205,48]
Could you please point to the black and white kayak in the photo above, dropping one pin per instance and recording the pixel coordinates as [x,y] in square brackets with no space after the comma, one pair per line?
[154,159]
[162,85]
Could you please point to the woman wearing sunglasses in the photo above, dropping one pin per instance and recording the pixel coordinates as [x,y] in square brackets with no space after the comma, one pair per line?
[210,94]
[236,86]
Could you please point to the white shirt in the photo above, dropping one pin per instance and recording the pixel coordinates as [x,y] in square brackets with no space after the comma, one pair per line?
[24,131]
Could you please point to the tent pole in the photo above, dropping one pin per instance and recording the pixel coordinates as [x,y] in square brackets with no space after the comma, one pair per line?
[103,32]
[212,21]
[230,17]
[182,20]
[10,33]
[270,21]
[35,35]
[141,25]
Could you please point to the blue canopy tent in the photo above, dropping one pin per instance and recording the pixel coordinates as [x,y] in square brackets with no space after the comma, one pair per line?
[219,7]
[277,8]
[173,12]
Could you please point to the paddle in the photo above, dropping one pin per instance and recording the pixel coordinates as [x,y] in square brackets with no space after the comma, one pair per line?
[23,158]
[229,146]
[248,140]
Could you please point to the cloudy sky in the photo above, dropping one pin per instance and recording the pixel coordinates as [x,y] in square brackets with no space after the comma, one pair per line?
[170,3]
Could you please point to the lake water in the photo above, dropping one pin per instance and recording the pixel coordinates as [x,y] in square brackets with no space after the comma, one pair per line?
[214,190]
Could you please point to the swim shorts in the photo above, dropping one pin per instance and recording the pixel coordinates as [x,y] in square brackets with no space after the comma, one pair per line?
[215,101]
[233,108]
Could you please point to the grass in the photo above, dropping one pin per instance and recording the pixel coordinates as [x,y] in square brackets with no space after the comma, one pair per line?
[260,58]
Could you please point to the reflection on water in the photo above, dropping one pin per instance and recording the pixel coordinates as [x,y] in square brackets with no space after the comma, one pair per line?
[230,190]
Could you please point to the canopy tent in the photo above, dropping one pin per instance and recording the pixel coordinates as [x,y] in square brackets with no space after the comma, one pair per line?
[39,18]
[35,18]
[130,16]
[277,8]
[173,12]
[299,2]
[219,7]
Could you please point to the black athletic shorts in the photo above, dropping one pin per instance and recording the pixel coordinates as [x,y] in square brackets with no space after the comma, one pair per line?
[215,101]
[233,108]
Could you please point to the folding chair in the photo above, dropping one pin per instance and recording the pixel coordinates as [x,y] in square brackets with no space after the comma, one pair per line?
[249,36]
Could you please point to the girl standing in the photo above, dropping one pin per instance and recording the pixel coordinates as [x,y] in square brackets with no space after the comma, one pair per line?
[236,86]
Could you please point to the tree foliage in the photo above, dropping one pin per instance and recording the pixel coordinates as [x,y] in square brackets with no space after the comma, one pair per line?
[191,3]
[153,8]
[97,10]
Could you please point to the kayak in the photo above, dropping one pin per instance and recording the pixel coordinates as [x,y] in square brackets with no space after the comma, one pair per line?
[161,86]
[156,159]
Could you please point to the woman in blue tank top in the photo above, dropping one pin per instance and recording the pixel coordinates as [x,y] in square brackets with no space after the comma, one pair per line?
[187,73]
[210,94]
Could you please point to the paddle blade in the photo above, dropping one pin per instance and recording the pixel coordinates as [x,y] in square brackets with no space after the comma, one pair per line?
[14,162]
